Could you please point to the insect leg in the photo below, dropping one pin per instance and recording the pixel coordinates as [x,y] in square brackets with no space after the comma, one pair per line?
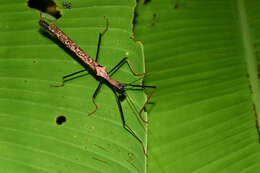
[64,78]
[100,37]
[113,70]
[97,54]
[125,125]
[94,98]
[147,100]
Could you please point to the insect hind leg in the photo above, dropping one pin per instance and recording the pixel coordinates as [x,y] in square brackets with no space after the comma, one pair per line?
[125,125]
[147,100]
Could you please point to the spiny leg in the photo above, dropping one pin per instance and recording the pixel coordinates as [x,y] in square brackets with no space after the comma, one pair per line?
[94,97]
[147,100]
[113,70]
[125,125]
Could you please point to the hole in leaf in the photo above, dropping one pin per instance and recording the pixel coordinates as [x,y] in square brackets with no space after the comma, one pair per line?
[46,6]
[60,120]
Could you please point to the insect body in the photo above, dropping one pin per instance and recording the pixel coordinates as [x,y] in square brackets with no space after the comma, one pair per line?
[100,71]
[66,5]
[94,66]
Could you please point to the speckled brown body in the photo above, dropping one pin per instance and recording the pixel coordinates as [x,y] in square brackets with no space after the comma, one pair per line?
[93,65]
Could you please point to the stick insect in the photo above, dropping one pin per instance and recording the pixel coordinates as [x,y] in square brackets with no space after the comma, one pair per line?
[118,88]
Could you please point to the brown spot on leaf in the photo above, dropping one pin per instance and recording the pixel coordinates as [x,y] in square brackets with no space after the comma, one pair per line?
[100,147]
[147,1]
[250,87]
[258,69]
[154,15]
[99,160]
[154,18]
[133,165]
[256,120]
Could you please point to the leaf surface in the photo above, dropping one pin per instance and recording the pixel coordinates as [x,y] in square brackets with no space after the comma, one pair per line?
[202,56]
[31,60]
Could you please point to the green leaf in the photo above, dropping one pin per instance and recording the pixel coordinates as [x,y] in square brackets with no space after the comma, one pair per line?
[203,57]
[31,60]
